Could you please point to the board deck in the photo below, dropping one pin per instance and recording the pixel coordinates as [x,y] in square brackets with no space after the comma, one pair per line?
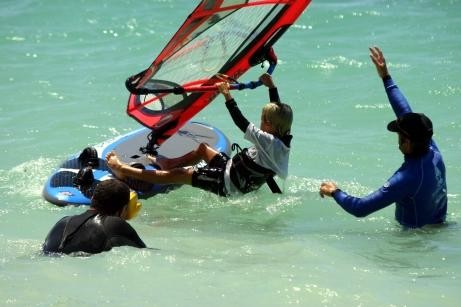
[60,190]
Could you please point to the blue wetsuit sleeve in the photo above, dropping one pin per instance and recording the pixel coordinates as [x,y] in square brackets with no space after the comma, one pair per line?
[237,115]
[388,194]
[398,101]
[125,241]
[396,98]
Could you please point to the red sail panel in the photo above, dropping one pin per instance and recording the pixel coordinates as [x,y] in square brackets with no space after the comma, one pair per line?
[219,36]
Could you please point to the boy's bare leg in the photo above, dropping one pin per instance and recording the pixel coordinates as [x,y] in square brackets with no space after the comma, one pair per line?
[179,175]
[174,176]
[203,152]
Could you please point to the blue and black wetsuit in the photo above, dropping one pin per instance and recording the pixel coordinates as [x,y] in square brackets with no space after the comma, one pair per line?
[90,232]
[418,187]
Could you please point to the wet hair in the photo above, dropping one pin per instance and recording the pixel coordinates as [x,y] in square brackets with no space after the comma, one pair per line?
[110,196]
[280,117]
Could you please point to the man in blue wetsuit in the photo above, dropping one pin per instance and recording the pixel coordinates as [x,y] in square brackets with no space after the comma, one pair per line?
[418,187]
[98,229]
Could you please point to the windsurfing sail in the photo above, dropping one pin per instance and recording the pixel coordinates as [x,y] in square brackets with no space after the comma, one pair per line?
[224,37]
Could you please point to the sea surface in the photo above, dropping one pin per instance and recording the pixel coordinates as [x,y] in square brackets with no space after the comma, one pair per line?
[62,70]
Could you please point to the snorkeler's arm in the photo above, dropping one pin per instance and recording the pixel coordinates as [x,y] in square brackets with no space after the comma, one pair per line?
[55,236]
[121,233]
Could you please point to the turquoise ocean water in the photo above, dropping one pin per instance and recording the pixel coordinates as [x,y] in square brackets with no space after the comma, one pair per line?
[62,73]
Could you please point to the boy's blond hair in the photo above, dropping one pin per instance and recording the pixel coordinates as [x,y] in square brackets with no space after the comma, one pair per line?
[279,116]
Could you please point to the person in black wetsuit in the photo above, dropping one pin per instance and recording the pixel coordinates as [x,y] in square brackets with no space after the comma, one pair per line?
[98,229]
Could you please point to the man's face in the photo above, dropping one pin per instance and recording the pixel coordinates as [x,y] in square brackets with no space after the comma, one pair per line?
[404,144]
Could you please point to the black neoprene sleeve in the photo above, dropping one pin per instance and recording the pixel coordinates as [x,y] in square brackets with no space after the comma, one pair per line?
[274,95]
[237,115]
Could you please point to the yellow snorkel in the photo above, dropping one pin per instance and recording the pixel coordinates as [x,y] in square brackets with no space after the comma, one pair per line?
[134,206]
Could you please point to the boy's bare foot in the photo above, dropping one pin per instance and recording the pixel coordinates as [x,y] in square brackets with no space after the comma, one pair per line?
[115,165]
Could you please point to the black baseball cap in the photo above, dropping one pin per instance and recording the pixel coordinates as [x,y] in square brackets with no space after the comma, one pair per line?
[415,126]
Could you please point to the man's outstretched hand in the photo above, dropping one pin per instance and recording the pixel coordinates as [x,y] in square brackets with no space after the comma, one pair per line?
[378,59]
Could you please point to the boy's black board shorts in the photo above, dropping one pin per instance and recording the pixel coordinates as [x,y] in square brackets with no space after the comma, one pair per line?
[211,176]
